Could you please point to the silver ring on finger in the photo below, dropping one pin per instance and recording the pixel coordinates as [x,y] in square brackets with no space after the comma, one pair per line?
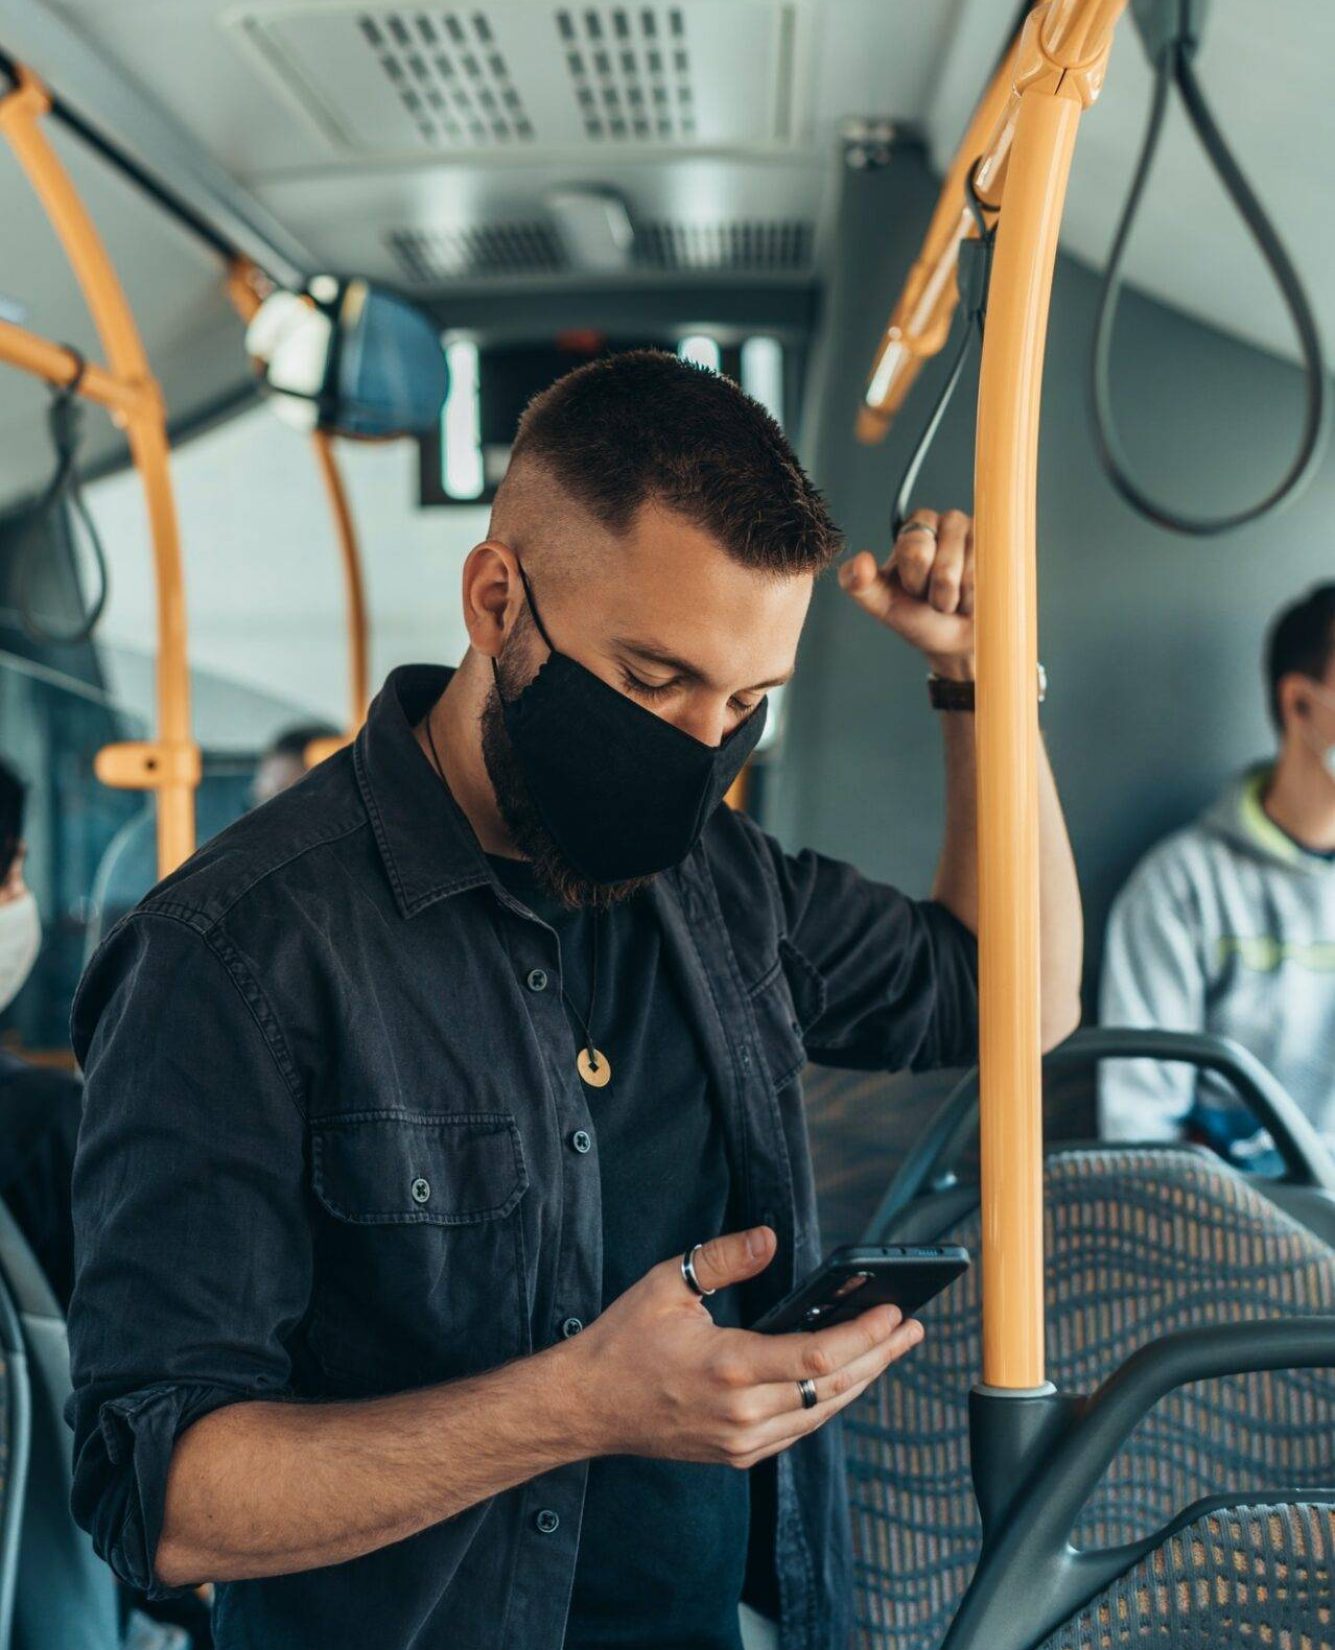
[808,1390]
[688,1272]
[917,527]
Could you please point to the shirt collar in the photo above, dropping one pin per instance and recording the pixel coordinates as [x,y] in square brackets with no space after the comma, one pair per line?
[429,848]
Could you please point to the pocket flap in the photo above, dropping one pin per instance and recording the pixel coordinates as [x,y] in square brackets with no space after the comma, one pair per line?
[397,1168]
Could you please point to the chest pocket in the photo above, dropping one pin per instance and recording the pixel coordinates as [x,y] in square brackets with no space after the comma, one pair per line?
[780,1021]
[420,1260]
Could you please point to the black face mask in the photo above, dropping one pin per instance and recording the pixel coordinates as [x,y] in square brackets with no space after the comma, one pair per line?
[622,793]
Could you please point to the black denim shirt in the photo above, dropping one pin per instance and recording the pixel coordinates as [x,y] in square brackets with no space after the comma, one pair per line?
[334,1146]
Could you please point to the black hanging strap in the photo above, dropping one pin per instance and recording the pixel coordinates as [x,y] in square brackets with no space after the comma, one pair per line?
[1171,32]
[63,496]
[973,275]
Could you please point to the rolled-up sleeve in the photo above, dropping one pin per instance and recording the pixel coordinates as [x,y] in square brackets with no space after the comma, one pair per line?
[192,1248]
[891,983]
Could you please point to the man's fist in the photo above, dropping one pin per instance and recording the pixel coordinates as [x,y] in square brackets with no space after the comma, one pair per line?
[925,589]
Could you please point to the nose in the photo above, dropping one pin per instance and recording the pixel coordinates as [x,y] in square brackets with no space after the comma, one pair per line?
[707,721]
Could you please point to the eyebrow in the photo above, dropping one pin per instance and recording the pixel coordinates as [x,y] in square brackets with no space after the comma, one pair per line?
[670,661]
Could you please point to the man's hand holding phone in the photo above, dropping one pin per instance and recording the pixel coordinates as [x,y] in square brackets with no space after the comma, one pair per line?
[655,1376]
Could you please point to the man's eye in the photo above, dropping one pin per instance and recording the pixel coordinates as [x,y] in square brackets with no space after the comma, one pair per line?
[646,690]
[742,708]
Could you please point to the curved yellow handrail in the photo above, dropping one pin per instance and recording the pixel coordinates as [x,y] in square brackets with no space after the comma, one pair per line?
[244,288]
[1029,116]
[169,764]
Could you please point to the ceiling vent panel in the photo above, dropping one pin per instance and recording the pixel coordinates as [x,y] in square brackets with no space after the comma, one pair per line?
[515,74]
[431,257]
[754,248]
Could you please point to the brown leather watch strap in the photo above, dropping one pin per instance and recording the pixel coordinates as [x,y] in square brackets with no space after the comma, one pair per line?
[945,693]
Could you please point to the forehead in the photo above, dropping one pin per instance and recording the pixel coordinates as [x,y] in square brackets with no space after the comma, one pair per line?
[671,583]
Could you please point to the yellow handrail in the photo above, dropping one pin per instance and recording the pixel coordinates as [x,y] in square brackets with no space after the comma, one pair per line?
[244,288]
[1022,140]
[920,321]
[1059,71]
[169,764]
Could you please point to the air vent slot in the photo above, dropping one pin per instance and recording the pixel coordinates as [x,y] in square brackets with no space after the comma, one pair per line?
[630,67]
[782,247]
[428,257]
[447,72]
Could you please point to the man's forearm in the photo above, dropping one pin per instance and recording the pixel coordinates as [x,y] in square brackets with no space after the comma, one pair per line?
[956,883]
[261,1489]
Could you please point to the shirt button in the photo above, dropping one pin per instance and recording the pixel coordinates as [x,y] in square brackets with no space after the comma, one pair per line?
[547,1521]
[571,1326]
[581,1140]
[537,979]
[421,1190]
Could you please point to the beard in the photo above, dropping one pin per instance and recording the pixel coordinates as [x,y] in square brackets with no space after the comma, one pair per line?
[553,871]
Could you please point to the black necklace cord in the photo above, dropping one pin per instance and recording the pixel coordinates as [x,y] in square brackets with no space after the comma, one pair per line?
[585,1023]
[64,419]
[1173,66]
[974,271]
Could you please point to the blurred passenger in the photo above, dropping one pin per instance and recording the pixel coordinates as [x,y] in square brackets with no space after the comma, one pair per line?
[460,1085]
[284,761]
[1228,926]
[39,1106]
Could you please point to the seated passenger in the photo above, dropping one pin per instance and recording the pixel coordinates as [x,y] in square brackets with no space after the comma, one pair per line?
[427,1104]
[39,1106]
[1228,926]
[284,760]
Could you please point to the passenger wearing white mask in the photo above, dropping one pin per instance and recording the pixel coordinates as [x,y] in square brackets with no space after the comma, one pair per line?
[39,1107]
[1229,926]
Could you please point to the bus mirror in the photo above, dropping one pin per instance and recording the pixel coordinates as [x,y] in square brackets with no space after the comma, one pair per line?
[350,358]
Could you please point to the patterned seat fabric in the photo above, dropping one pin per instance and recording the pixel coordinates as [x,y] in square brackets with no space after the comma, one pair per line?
[1139,1243]
[1245,1575]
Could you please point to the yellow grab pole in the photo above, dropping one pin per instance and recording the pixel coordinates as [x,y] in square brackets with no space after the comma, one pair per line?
[168,764]
[247,288]
[920,321]
[354,586]
[1041,141]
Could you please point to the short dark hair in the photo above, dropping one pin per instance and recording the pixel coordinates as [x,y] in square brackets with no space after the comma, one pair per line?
[642,426]
[1301,641]
[294,740]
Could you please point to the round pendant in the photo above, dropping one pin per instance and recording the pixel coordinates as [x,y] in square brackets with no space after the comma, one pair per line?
[596,1072]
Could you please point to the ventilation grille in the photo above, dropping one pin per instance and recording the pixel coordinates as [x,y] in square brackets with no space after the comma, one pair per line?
[763,248]
[391,78]
[448,73]
[427,257]
[630,67]
[431,257]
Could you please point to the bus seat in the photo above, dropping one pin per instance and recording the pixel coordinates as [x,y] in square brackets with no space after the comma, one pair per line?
[15,1445]
[65,1597]
[1234,1574]
[1140,1243]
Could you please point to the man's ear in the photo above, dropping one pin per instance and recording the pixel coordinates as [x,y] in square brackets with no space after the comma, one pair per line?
[492,595]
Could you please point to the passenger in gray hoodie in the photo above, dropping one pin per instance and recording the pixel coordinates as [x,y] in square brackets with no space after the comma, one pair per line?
[1228,926]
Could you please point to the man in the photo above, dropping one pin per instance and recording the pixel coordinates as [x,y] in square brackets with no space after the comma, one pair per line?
[413,1094]
[1228,926]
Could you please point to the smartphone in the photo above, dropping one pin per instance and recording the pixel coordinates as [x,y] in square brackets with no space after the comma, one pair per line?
[856,1278]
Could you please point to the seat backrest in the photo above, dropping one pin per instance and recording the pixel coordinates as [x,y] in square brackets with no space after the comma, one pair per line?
[15,1440]
[1139,1243]
[1253,1574]
[65,1598]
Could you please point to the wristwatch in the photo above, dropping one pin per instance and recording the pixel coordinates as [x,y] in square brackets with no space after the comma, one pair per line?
[945,693]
